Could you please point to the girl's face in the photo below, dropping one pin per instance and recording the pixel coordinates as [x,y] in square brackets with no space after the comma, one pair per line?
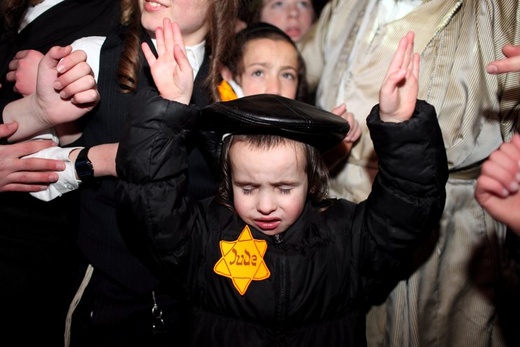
[266,72]
[295,17]
[269,185]
[189,14]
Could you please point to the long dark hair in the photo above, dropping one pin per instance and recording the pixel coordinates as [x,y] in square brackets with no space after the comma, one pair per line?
[221,17]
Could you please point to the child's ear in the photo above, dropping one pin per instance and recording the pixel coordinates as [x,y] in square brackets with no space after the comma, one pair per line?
[226,73]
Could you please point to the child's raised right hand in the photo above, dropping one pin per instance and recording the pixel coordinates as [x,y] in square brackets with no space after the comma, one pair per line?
[171,70]
[398,94]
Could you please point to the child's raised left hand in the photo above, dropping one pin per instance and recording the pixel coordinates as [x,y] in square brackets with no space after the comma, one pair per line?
[171,70]
[398,94]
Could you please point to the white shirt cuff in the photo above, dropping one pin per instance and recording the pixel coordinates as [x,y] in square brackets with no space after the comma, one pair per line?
[67,179]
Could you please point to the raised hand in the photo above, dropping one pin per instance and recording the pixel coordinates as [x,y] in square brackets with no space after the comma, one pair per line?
[510,64]
[23,70]
[25,175]
[497,188]
[65,91]
[171,70]
[398,93]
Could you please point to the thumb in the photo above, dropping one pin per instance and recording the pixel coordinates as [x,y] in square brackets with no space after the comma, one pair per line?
[8,129]
[54,55]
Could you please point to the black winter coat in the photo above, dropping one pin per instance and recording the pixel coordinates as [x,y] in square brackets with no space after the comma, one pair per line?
[312,285]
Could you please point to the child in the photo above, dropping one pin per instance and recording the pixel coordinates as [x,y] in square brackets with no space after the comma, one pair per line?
[271,260]
[294,17]
[252,68]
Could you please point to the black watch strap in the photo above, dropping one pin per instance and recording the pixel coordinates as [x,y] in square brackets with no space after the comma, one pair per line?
[83,165]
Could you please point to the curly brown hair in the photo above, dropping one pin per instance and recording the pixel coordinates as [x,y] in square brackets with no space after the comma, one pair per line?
[317,172]
[221,17]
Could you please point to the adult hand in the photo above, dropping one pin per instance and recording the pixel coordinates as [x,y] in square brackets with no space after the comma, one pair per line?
[25,175]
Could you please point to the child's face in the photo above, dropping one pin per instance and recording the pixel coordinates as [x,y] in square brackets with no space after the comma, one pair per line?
[295,17]
[189,14]
[268,72]
[269,185]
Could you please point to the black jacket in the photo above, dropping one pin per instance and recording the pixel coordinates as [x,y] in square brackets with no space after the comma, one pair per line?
[324,270]
[99,237]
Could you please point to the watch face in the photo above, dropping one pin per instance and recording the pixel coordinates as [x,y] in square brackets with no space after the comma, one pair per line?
[83,166]
[84,169]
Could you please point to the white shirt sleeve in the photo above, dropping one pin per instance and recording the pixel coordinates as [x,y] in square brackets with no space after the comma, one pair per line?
[67,178]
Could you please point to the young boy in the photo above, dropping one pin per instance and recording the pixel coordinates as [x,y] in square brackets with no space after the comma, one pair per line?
[271,261]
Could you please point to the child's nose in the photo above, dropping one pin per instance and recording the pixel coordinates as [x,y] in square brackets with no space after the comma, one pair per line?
[265,204]
[273,87]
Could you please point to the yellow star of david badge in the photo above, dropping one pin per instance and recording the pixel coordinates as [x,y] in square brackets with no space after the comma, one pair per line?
[243,260]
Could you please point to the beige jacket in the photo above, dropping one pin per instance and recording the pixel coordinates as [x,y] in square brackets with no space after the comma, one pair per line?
[450,299]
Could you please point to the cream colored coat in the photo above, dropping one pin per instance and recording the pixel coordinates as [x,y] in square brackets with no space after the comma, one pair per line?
[444,303]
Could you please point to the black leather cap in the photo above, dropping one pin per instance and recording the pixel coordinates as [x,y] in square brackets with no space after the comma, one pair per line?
[274,114]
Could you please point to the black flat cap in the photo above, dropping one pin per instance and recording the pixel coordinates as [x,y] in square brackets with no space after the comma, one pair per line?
[276,115]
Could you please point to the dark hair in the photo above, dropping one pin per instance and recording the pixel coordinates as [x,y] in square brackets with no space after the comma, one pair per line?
[260,30]
[12,11]
[317,172]
[220,15]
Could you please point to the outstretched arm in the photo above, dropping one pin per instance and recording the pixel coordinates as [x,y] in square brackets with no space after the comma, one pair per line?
[497,187]
[171,70]
[65,91]
[398,93]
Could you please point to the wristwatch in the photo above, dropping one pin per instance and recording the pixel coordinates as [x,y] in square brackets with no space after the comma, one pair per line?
[83,165]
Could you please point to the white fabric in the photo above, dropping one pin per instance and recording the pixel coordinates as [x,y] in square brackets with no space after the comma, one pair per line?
[67,179]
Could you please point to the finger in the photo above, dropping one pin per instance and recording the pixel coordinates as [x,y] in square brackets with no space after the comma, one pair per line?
[42,165]
[169,42]
[511,50]
[148,54]
[416,65]
[177,37]
[339,110]
[159,37]
[407,58]
[21,54]
[502,170]
[21,149]
[488,185]
[26,188]
[397,60]
[8,129]
[182,59]
[86,99]
[75,80]
[71,61]
[54,55]
[13,64]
